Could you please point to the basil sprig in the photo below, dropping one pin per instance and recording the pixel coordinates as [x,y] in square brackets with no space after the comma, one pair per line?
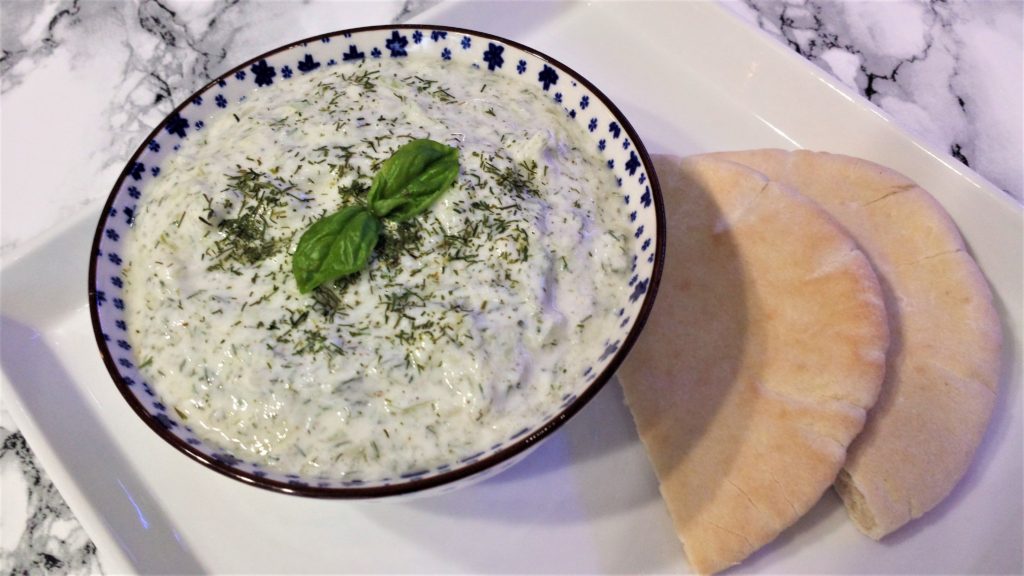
[412,178]
[406,185]
[334,246]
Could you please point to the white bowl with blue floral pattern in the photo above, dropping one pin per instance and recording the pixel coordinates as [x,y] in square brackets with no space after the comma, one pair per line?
[609,133]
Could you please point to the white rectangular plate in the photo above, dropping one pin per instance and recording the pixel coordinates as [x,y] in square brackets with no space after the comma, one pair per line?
[691,78]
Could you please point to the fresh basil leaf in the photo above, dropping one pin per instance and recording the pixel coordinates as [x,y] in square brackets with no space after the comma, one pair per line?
[406,185]
[412,178]
[335,246]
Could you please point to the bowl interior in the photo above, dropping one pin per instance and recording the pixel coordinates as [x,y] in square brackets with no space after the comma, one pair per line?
[606,130]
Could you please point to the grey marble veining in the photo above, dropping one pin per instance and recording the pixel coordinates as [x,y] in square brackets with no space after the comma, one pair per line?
[51,540]
[949,72]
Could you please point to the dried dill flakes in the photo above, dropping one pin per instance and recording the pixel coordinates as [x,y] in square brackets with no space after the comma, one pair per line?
[519,179]
[399,238]
[246,237]
[354,192]
[327,297]
[365,79]
[432,87]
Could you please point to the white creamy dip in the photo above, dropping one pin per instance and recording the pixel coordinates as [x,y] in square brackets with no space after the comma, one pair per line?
[471,321]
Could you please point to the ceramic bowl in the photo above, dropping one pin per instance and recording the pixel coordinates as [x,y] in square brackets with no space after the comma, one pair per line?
[608,131]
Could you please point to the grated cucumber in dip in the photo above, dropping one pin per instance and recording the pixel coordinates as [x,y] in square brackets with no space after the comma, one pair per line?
[471,321]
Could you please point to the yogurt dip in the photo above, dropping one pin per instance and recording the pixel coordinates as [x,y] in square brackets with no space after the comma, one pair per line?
[471,321]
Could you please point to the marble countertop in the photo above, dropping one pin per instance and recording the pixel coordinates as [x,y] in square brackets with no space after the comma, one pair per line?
[950,73]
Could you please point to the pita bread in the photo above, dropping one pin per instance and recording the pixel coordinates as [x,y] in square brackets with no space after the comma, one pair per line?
[943,367]
[764,351]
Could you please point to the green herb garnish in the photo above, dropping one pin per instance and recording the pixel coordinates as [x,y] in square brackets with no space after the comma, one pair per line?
[406,185]
[246,238]
[335,246]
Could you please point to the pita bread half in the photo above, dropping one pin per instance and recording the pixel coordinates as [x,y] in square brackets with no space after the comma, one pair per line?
[944,360]
[764,351]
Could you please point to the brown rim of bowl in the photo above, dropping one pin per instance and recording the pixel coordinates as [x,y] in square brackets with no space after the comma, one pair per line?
[435,480]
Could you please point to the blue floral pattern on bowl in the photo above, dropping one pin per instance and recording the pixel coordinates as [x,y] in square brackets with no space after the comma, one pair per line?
[610,134]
